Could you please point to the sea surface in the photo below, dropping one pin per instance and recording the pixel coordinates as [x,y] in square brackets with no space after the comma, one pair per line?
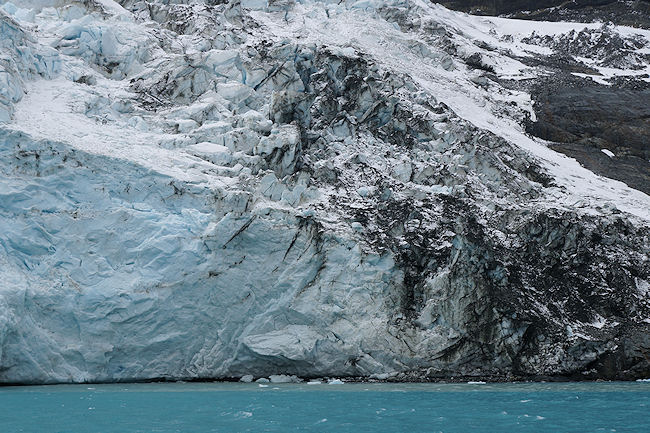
[348,407]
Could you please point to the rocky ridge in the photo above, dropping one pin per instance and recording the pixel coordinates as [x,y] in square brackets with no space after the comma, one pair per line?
[211,190]
[580,105]
[634,13]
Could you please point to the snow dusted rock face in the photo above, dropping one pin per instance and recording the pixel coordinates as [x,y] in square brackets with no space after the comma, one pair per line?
[594,98]
[630,13]
[275,189]
[594,94]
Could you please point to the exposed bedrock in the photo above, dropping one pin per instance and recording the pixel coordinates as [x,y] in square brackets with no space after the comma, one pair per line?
[631,13]
[602,121]
[504,6]
[582,118]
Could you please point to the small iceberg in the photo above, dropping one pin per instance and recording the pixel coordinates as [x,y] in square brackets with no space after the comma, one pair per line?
[283,378]
[247,378]
[335,382]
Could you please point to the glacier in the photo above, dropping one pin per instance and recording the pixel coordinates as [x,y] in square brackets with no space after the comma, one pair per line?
[227,189]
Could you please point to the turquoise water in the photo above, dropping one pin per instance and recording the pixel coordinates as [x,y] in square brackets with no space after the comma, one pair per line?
[377,408]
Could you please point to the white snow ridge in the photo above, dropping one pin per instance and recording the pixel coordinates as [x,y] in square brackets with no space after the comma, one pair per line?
[244,189]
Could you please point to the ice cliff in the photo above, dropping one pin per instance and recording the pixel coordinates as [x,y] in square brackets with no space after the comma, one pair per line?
[213,189]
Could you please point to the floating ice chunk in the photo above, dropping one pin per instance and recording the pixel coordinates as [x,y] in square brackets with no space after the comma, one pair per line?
[247,378]
[262,380]
[284,378]
[476,382]
[314,382]
[335,382]
[280,378]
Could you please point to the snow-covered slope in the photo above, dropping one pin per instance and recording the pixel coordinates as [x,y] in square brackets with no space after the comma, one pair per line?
[207,189]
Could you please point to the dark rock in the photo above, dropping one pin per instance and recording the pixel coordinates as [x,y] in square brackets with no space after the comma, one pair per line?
[632,13]
[583,117]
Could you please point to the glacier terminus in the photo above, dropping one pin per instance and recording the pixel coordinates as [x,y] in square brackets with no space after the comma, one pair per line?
[214,189]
